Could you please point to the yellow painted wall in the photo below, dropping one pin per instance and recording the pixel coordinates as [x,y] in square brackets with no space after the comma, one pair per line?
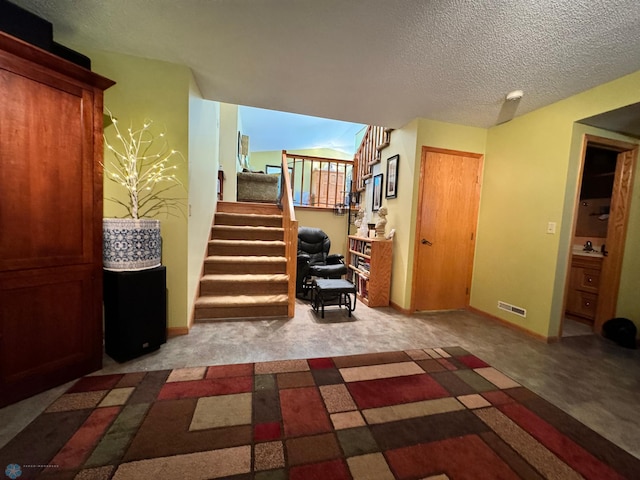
[408,143]
[158,91]
[204,135]
[529,180]
[403,143]
[228,149]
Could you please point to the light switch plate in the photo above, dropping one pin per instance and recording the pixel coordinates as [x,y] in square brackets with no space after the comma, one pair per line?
[551,227]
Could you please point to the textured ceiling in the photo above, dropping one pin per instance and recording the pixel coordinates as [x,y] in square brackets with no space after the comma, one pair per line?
[382,62]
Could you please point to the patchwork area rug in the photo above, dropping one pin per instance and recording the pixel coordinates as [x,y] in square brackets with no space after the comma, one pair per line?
[421,414]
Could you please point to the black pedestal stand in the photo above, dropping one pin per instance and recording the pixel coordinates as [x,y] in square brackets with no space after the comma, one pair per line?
[135,312]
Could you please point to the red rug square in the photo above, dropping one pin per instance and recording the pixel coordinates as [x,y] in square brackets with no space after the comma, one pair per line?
[303,412]
[472,361]
[391,391]
[320,363]
[263,432]
[464,458]
[223,371]
[205,388]
[92,384]
[334,470]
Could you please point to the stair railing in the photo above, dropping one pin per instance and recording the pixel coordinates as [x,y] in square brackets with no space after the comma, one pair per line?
[368,154]
[290,225]
[319,182]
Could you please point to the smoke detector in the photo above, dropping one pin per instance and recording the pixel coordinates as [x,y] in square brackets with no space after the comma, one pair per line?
[515,95]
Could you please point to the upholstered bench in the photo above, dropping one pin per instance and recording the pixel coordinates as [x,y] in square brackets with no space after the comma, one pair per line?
[330,291]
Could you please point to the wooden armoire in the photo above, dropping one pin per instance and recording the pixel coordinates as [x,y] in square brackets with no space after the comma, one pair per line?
[50,220]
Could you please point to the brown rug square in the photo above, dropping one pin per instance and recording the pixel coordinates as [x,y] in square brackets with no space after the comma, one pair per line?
[421,414]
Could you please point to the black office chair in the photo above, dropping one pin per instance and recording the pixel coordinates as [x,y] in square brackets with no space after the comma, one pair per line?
[314,259]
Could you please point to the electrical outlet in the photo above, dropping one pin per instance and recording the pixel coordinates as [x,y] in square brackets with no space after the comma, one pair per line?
[551,227]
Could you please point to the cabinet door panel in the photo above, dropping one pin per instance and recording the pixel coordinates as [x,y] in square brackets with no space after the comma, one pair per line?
[47,163]
[46,329]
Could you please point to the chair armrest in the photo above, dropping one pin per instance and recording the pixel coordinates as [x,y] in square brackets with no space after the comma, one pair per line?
[303,257]
[335,258]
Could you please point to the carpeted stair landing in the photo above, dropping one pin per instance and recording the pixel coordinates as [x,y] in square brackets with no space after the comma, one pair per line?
[245,270]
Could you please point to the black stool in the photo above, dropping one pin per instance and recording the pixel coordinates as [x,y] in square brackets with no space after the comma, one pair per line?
[328,291]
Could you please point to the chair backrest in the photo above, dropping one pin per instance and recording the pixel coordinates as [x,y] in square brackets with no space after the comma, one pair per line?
[315,243]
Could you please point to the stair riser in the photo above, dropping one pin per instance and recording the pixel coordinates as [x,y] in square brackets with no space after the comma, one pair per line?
[249,221]
[258,311]
[212,268]
[248,250]
[217,288]
[224,234]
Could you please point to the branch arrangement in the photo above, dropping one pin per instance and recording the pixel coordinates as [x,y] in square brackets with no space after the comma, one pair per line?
[145,166]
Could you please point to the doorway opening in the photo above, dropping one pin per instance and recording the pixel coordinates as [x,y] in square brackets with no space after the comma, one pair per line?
[599,233]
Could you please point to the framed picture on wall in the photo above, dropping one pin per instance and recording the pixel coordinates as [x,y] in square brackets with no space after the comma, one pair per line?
[392,177]
[377,193]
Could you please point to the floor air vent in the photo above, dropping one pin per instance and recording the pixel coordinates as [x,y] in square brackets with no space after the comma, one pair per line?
[512,308]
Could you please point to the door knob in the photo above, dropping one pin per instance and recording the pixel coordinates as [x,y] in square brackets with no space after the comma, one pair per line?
[424,241]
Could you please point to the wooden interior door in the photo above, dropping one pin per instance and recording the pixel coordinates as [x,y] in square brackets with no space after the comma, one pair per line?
[50,222]
[616,232]
[446,229]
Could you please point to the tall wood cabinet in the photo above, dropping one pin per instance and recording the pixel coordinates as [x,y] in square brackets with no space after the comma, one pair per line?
[327,187]
[369,261]
[50,220]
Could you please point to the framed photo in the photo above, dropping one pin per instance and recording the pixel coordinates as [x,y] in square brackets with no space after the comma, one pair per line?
[392,177]
[377,193]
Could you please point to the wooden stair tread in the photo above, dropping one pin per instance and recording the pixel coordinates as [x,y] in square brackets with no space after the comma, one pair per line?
[244,259]
[249,215]
[248,207]
[241,300]
[257,243]
[249,228]
[245,277]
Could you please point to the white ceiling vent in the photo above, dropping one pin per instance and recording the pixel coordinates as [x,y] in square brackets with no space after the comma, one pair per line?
[512,308]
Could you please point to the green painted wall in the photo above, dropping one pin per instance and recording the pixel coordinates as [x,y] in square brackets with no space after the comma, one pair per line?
[403,143]
[228,149]
[408,143]
[204,135]
[529,180]
[158,91]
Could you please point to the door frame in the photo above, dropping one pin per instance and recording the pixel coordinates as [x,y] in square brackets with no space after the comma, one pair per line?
[621,197]
[418,223]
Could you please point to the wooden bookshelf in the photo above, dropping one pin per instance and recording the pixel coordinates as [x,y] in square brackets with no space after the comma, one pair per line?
[369,261]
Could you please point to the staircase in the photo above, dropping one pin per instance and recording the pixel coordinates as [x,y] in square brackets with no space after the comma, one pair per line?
[245,270]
